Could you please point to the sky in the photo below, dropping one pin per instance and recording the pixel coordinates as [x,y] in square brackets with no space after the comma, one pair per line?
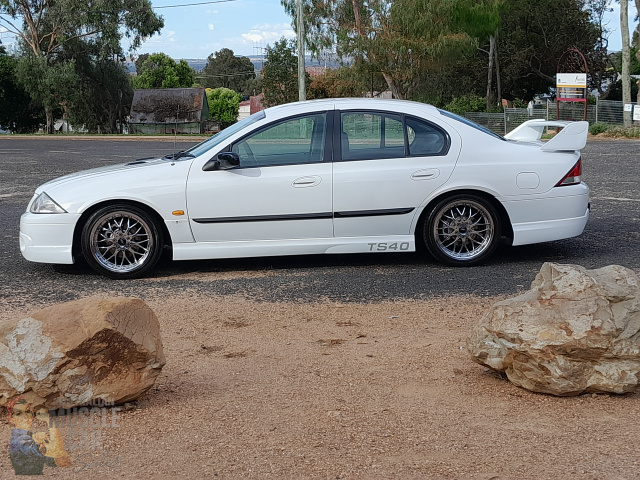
[244,26]
[247,26]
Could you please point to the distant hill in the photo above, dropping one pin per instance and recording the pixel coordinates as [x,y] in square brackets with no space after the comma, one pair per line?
[198,64]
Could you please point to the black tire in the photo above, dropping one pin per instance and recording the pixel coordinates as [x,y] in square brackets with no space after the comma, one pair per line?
[462,230]
[121,241]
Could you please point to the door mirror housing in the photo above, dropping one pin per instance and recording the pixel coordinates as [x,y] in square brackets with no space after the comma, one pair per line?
[222,161]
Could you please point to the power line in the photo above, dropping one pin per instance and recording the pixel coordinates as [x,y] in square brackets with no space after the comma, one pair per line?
[194,4]
[3,11]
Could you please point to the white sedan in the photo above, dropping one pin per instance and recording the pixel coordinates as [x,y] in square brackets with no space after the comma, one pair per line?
[326,176]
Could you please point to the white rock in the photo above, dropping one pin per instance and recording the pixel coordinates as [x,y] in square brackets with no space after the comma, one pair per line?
[574,331]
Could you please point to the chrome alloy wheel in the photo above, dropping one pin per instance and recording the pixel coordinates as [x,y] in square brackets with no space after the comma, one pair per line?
[121,241]
[463,230]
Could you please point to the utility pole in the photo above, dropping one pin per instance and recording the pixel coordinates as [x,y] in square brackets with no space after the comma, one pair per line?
[302,88]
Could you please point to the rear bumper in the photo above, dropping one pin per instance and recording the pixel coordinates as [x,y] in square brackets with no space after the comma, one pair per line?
[550,218]
[47,238]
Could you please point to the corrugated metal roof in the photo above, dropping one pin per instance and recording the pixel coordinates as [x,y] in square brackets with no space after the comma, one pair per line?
[169,105]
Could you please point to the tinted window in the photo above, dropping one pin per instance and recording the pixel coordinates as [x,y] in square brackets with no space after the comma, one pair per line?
[292,141]
[425,138]
[469,123]
[367,136]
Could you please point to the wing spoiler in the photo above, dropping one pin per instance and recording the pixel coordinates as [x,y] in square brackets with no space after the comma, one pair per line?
[573,135]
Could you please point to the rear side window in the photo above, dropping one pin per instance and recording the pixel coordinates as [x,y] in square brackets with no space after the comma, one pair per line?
[381,135]
[370,136]
[425,139]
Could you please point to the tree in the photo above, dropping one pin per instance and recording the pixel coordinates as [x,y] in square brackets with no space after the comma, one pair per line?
[280,73]
[139,61]
[161,71]
[399,38]
[224,69]
[344,82]
[44,27]
[223,105]
[16,111]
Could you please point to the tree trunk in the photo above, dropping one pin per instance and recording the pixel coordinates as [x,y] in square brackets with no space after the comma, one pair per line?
[626,59]
[49,115]
[492,43]
[498,80]
[395,91]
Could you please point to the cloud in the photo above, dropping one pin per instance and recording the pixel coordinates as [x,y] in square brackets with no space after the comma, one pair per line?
[211,26]
[268,33]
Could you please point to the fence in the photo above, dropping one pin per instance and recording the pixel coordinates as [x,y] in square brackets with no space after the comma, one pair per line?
[607,111]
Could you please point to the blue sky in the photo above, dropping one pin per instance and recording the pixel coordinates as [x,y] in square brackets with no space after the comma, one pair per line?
[245,26]
[197,31]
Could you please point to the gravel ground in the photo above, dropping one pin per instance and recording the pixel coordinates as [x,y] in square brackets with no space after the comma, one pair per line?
[331,367]
[334,390]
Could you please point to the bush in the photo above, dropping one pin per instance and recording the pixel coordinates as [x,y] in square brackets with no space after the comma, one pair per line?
[467,103]
[598,127]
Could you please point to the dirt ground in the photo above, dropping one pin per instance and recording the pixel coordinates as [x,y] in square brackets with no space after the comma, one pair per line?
[341,391]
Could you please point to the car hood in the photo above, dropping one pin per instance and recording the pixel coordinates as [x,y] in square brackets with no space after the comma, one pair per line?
[96,172]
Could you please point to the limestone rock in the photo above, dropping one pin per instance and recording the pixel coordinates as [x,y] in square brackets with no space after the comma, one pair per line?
[574,331]
[94,349]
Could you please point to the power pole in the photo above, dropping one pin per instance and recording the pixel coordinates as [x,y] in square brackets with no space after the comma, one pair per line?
[302,88]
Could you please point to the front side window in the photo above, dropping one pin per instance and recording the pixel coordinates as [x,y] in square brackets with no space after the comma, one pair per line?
[292,141]
[369,136]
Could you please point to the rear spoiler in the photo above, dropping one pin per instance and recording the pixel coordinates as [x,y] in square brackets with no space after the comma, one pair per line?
[573,135]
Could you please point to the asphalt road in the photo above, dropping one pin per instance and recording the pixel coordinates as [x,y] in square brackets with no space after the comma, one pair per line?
[612,236]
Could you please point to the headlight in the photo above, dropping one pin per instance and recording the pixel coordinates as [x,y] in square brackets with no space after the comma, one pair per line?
[44,204]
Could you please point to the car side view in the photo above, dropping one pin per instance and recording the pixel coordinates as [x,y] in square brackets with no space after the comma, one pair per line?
[324,176]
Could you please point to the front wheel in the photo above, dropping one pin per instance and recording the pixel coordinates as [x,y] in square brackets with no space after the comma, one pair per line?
[462,230]
[121,241]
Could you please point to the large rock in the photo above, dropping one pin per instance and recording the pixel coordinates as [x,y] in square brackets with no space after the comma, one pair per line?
[70,354]
[574,331]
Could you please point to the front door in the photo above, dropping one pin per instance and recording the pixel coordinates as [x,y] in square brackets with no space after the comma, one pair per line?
[281,189]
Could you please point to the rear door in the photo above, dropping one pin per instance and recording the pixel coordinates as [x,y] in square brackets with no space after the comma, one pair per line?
[387,164]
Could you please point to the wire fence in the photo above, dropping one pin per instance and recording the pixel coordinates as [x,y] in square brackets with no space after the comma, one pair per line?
[605,111]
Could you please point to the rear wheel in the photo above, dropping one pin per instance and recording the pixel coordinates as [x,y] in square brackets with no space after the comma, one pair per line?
[462,230]
[121,241]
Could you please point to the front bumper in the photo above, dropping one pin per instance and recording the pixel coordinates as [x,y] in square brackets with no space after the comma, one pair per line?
[47,238]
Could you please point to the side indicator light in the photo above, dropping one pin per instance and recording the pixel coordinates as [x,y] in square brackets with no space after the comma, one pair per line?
[177,213]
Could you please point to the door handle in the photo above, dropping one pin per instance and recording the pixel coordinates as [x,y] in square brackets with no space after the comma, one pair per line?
[307,181]
[425,174]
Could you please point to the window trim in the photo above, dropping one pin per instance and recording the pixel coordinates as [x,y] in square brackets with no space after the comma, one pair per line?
[447,138]
[337,140]
[326,154]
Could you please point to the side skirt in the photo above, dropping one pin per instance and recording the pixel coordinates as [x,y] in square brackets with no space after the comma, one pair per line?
[272,248]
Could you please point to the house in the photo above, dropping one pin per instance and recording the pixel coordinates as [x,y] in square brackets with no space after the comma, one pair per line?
[169,110]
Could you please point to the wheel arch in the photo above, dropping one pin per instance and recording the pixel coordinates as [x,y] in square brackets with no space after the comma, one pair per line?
[76,248]
[507,229]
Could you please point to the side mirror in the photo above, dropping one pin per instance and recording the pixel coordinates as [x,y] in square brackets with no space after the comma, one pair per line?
[223,161]
[228,160]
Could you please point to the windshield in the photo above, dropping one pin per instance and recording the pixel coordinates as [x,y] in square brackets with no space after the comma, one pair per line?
[471,124]
[220,137]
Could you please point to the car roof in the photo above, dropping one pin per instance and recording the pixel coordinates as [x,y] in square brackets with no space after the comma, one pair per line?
[355,103]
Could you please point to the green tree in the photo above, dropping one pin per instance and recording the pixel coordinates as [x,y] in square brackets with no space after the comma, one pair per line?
[16,111]
[531,38]
[280,73]
[162,71]
[224,69]
[224,104]
[399,38]
[344,82]
[139,61]
[45,27]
